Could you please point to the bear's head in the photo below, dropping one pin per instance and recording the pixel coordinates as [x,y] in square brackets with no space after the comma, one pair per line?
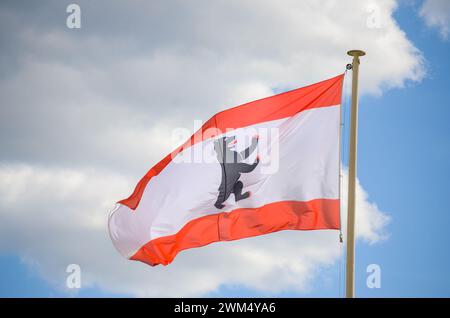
[223,146]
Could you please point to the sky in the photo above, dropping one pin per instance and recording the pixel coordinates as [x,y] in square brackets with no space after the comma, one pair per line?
[86,112]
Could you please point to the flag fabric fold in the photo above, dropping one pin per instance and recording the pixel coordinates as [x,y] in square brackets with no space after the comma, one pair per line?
[265,166]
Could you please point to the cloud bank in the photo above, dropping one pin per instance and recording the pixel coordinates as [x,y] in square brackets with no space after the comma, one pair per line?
[57,217]
[436,14]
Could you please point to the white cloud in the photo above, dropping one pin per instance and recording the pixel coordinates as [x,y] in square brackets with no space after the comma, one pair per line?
[67,94]
[436,14]
[54,217]
[370,222]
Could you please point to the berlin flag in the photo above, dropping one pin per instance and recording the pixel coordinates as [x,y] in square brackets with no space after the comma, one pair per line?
[265,166]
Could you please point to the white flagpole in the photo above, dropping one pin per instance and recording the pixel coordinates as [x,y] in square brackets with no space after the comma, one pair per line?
[350,264]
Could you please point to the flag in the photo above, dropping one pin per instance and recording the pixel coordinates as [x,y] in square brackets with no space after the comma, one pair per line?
[265,166]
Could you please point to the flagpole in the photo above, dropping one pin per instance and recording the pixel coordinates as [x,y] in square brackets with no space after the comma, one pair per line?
[350,263]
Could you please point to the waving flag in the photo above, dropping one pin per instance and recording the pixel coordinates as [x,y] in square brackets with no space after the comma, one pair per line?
[265,166]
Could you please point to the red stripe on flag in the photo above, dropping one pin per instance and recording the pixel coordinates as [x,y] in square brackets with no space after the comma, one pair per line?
[241,223]
[284,105]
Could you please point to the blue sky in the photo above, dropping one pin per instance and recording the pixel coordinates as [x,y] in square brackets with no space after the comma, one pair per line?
[404,155]
[403,163]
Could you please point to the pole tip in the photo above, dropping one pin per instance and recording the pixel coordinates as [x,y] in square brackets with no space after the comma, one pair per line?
[356,53]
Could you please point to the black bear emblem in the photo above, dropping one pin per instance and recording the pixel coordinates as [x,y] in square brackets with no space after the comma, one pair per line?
[232,167]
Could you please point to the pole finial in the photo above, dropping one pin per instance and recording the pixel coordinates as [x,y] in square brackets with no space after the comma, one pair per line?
[356,53]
